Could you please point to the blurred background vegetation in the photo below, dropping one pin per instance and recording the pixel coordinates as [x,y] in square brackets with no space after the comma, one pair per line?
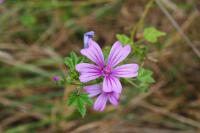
[36,35]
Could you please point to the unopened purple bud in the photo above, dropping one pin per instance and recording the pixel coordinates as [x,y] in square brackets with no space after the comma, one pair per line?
[87,36]
[56,78]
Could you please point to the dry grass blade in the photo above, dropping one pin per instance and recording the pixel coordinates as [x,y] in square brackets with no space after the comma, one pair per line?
[27,67]
[175,24]
[5,55]
[184,27]
[171,115]
[141,97]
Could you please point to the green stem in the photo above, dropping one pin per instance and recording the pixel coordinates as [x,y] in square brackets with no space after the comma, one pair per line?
[131,82]
[141,21]
[76,83]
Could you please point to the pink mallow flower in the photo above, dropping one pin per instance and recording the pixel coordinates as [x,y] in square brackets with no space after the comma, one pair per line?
[103,97]
[106,69]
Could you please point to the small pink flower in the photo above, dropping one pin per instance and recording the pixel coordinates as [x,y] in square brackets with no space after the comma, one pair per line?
[103,97]
[107,69]
[56,78]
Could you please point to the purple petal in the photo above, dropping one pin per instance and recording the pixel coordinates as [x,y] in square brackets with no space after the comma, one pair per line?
[87,37]
[88,72]
[126,71]
[100,102]
[118,53]
[93,90]
[87,68]
[1,1]
[112,83]
[86,77]
[94,53]
[56,78]
[114,98]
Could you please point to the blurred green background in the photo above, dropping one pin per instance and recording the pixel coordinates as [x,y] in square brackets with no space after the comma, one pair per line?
[36,35]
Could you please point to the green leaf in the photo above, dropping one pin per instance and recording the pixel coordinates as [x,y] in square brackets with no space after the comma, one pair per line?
[86,99]
[69,62]
[72,60]
[145,76]
[72,99]
[80,100]
[140,52]
[144,79]
[151,34]
[28,20]
[81,106]
[124,39]
[143,87]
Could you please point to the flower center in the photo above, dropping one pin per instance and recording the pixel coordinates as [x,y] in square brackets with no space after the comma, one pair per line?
[107,70]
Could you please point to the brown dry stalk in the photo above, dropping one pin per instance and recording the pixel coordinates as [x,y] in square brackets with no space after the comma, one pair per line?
[177,36]
[141,21]
[172,115]
[141,97]
[178,28]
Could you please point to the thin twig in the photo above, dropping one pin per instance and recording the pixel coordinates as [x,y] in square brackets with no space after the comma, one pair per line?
[176,36]
[175,116]
[27,67]
[141,21]
[132,83]
[137,100]
[171,5]
[175,24]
